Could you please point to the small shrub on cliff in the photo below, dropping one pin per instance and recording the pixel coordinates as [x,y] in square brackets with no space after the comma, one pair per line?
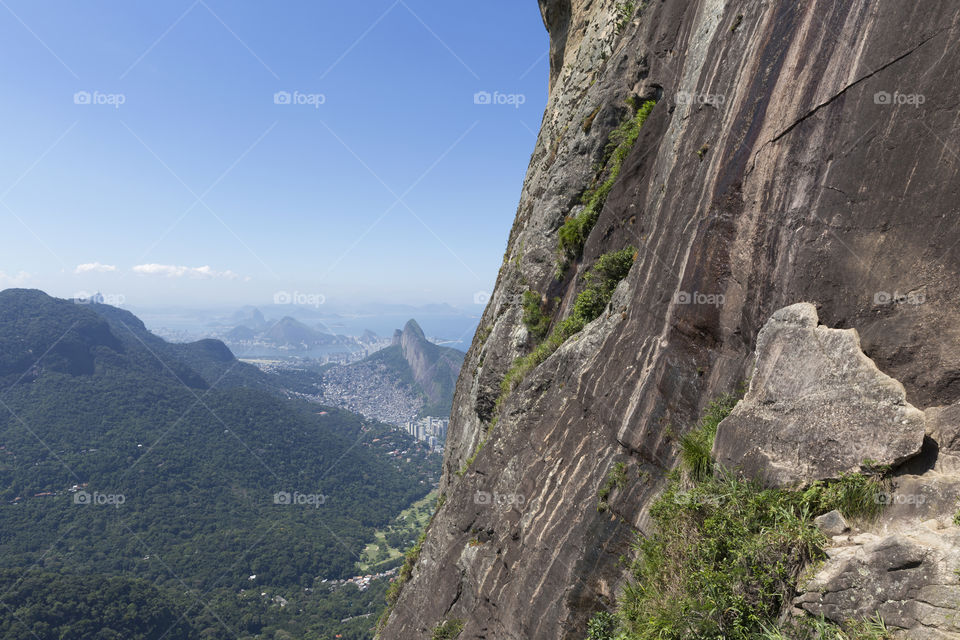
[448,630]
[469,461]
[855,495]
[601,281]
[404,575]
[696,446]
[534,319]
[602,626]
[616,479]
[625,11]
[572,235]
[727,552]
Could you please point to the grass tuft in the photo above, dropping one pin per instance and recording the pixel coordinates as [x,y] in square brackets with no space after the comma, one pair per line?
[572,235]
[727,553]
[601,281]
[697,445]
[396,587]
[447,630]
[534,319]
[616,479]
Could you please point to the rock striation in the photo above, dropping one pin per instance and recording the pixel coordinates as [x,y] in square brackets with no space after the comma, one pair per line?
[789,158]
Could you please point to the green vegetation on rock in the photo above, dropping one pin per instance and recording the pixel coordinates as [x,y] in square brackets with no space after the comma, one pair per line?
[616,479]
[625,11]
[601,281]
[819,629]
[696,446]
[573,233]
[728,553]
[534,319]
[403,577]
[448,630]
[469,461]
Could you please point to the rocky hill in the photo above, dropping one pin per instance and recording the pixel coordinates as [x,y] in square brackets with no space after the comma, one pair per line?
[747,156]
[410,378]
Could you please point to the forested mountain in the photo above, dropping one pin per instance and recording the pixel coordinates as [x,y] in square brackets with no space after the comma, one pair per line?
[125,458]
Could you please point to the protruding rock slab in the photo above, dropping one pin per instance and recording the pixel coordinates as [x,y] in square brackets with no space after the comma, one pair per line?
[832,523]
[817,407]
[910,579]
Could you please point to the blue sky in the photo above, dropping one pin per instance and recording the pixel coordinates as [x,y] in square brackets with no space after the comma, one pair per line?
[206,152]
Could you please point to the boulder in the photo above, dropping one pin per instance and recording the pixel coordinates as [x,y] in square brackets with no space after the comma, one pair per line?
[832,524]
[908,578]
[817,407]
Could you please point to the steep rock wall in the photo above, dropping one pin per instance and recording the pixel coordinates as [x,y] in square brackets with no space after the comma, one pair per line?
[770,172]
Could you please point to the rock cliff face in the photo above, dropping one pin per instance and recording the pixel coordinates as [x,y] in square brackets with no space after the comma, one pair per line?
[798,152]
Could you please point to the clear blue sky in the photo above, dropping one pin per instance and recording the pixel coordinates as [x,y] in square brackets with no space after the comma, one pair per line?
[202,186]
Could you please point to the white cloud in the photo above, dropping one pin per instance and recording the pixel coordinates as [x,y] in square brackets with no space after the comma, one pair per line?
[94,267]
[177,271]
[13,280]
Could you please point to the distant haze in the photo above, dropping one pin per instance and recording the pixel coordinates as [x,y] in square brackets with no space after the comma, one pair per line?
[224,153]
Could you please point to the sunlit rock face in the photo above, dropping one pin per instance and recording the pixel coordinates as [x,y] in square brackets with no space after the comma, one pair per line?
[798,152]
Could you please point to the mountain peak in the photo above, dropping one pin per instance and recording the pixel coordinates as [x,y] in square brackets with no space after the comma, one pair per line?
[412,328]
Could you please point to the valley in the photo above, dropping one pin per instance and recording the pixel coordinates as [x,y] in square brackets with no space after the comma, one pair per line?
[178,474]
